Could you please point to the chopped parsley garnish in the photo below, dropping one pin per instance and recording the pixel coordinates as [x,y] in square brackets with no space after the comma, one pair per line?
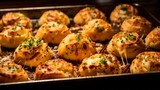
[103,61]
[31,42]
[14,28]
[111,60]
[85,63]
[38,41]
[71,19]
[78,37]
[92,8]
[143,57]
[120,39]
[99,29]
[152,57]
[124,8]
[131,36]
[9,67]
[58,22]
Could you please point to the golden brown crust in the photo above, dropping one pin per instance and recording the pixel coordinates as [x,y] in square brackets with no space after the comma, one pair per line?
[146,62]
[32,52]
[75,47]
[12,36]
[11,72]
[54,15]
[87,14]
[122,12]
[1,25]
[98,30]
[137,24]
[53,32]
[16,18]
[152,40]
[126,45]
[100,64]
[55,68]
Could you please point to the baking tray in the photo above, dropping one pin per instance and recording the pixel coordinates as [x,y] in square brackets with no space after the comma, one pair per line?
[90,82]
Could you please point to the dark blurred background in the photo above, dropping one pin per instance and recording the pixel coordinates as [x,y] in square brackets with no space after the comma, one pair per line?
[151,5]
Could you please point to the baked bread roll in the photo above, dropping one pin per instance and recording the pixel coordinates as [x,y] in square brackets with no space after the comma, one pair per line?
[137,24]
[54,15]
[51,69]
[11,72]
[98,30]
[13,35]
[87,14]
[1,25]
[122,12]
[32,52]
[100,64]
[146,62]
[152,40]
[53,32]
[126,45]
[75,47]
[17,18]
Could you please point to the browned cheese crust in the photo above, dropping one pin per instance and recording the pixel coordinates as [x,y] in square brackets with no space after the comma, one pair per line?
[137,24]
[146,62]
[17,18]
[54,15]
[152,40]
[126,45]
[76,47]
[100,64]
[13,35]
[98,30]
[122,12]
[53,32]
[32,52]
[11,72]
[87,14]
[55,68]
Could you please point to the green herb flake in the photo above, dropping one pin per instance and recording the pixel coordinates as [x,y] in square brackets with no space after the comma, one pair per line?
[120,39]
[92,8]
[9,67]
[143,57]
[85,63]
[71,19]
[78,37]
[99,29]
[58,22]
[38,41]
[111,60]
[124,8]
[14,28]
[103,61]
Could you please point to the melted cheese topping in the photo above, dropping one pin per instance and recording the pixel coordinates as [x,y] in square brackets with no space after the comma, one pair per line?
[122,12]
[87,14]
[11,72]
[53,32]
[152,40]
[146,62]
[12,36]
[54,15]
[126,45]
[17,18]
[32,52]
[137,24]
[98,30]
[99,64]
[76,47]
[56,68]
